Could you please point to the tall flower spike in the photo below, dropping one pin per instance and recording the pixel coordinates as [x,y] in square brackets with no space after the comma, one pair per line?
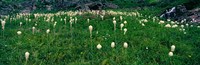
[88,20]
[170,54]
[172,48]
[19,32]
[121,26]
[3,24]
[114,22]
[33,30]
[125,45]
[99,46]
[90,29]
[112,44]
[20,24]
[27,55]
[121,18]
[48,30]
[125,30]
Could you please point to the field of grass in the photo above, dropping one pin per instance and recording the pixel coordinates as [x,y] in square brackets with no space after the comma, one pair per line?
[69,41]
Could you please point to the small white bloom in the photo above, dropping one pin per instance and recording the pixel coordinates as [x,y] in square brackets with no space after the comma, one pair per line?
[27,55]
[121,26]
[125,30]
[121,18]
[113,18]
[3,24]
[90,28]
[125,45]
[187,24]
[168,25]
[168,20]
[174,26]
[88,20]
[125,22]
[99,46]
[48,30]
[145,20]
[19,32]
[182,26]
[102,17]
[170,54]
[172,48]
[114,22]
[20,23]
[198,26]
[33,29]
[191,25]
[143,24]
[184,33]
[113,44]
[161,22]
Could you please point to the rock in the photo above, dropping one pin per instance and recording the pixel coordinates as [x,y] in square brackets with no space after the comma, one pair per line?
[111,5]
[180,13]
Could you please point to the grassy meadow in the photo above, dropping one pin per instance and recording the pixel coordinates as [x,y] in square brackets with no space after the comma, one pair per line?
[64,38]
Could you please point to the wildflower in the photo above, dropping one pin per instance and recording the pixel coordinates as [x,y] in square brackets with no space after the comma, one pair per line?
[19,32]
[48,30]
[170,54]
[3,24]
[20,24]
[182,26]
[172,48]
[90,29]
[168,25]
[121,26]
[114,22]
[27,55]
[121,18]
[125,22]
[102,17]
[125,45]
[113,44]
[88,20]
[99,46]
[33,29]
[174,26]
[161,22]
[143,24]
[125,30]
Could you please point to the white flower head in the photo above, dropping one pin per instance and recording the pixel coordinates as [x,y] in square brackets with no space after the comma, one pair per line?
[27,55]
[3,24]
[125,30]
[161,22]
[174,26]
[125,22]
[90,28]
[168,26]
[33,29]
[20,23]
[113,44]
[99,46]
[114,22]
[125,45]
[102,17]
[172,48]
[121,18]
[143,24]
[19,32]
[170,54]
[121,26]
[48,30]
[88,20]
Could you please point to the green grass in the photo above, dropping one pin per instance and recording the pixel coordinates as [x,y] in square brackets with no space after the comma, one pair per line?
[75,47]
